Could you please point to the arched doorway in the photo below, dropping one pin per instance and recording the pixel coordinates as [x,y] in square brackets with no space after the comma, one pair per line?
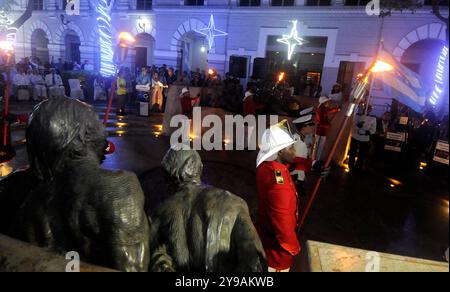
[72,43]
[423,57]
[193,52]
[144,46]
[39,45]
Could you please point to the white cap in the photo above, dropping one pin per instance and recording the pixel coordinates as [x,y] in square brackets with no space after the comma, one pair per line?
[274,139]
[307,111]
[303,119]
[323,99]
[248,94]
[184,90]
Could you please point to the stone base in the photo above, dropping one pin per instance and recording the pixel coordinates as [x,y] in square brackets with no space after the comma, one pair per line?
[325,257]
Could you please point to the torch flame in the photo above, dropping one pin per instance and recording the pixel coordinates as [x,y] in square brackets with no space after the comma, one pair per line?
[210,71]
[126,36]
[381,66]
[281,76]
[6,46]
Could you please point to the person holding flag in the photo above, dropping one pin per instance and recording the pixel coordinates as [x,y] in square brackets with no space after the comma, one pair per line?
[303,162]
[323,113]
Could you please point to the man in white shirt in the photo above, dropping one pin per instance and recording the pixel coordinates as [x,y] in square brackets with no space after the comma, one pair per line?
[86,66]
[305,127]
[39,89]
[364,126]
[54,84]
[21,81]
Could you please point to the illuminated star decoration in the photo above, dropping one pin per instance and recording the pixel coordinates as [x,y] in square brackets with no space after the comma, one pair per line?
[292,40]
[211,32]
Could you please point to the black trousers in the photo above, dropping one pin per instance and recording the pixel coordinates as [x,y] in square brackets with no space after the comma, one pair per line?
[299,185]
[120,103]
[359,149]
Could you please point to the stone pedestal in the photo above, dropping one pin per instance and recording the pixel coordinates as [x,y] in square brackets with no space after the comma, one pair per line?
[325,257]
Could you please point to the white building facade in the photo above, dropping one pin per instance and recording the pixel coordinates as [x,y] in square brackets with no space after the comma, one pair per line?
[342,38]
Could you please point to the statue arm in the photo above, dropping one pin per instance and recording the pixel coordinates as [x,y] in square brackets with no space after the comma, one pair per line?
[248,246]
[129,234]
[161,261]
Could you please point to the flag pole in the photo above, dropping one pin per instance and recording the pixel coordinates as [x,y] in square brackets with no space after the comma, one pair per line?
[356,96]
[113,91]
[377,54]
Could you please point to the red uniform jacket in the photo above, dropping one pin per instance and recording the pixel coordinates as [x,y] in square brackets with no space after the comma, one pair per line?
[277,214]
[186,105]
[303,164]
[250,107]
[323,121]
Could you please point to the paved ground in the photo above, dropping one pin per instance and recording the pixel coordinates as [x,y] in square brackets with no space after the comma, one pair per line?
[356,210]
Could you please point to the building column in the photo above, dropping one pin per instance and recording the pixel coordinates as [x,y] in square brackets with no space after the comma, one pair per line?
[124,5]
[265,3]
[338,2]
[54,50]
[300,2]
[87,53]
[50,4]
[84,5]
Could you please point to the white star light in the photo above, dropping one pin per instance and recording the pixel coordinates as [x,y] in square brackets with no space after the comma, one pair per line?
[211,32]
[292,40]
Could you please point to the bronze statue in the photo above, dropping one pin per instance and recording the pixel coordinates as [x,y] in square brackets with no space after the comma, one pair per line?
[201,228]
[66,201]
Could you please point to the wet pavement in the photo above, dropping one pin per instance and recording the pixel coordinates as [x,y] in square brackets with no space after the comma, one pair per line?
[389,208]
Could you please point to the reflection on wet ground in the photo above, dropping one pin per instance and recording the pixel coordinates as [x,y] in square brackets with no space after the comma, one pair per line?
[389,208]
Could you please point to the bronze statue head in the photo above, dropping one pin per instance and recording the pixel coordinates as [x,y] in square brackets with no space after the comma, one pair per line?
[62,130]
[183,166]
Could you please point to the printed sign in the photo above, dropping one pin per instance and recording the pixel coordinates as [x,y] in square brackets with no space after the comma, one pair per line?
[441,153]
[394,141]
[403,121]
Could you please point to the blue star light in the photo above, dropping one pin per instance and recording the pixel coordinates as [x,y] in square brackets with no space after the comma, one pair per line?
[292,40]
[211,32]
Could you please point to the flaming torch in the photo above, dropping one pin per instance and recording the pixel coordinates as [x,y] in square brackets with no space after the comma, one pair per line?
[126,41]
[281,77]
[356,96]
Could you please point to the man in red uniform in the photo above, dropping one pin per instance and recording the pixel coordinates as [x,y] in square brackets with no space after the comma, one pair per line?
[323,124]
[250,106]
[277,198]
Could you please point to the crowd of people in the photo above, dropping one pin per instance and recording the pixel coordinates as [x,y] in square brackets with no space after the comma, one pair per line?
[32,80]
